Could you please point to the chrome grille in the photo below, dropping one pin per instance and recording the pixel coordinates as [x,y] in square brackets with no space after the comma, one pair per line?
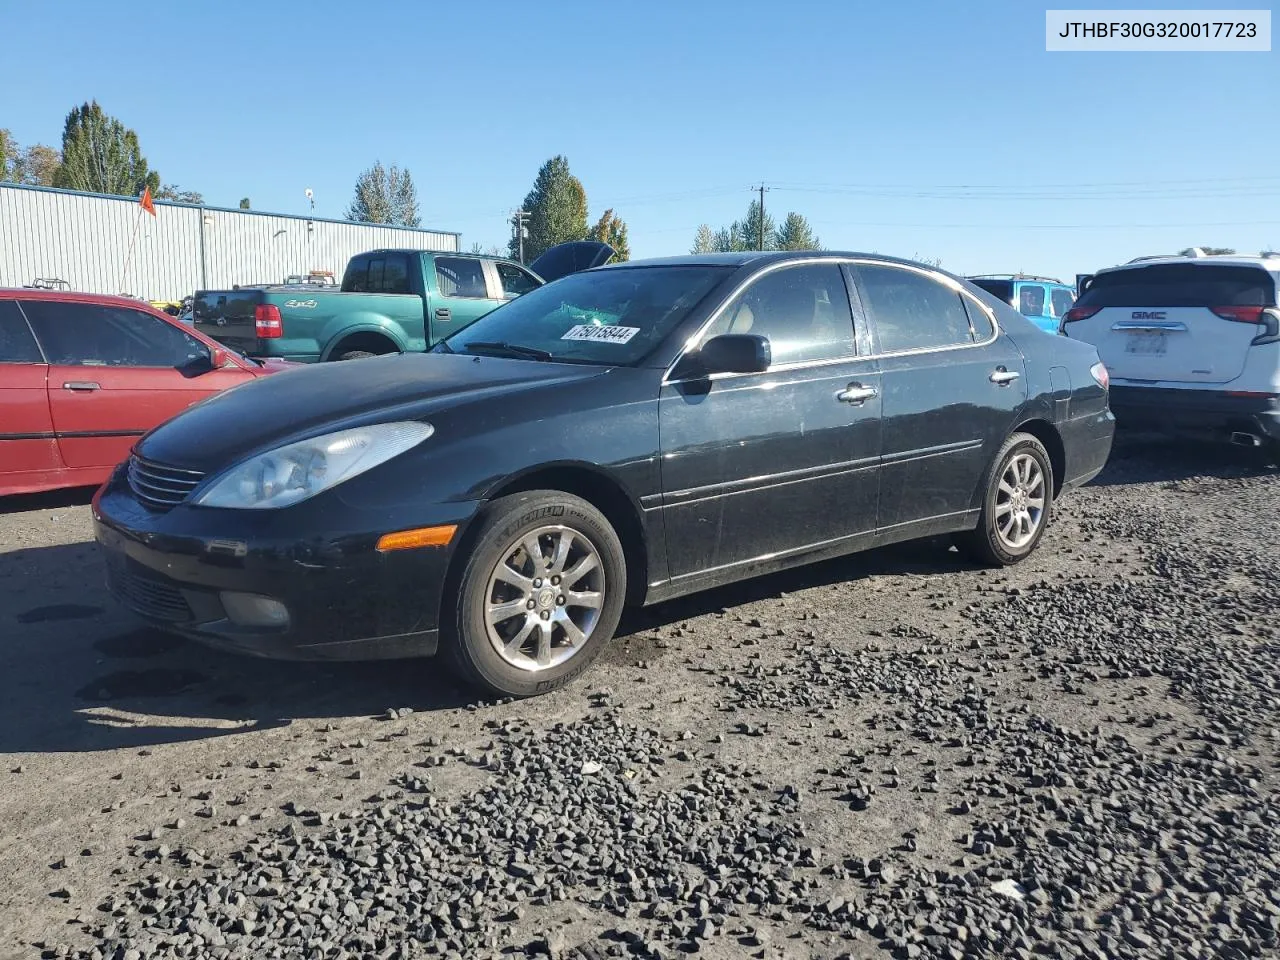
[158,486]
[146,595]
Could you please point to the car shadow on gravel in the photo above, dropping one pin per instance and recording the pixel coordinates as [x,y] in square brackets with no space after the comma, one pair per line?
[1152,458]
[83,675]
[72,497]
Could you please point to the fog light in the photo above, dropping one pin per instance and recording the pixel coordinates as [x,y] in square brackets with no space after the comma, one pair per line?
[251,610]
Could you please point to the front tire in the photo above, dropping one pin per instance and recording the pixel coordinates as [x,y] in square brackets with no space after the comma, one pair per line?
[540,594]
[1016,506]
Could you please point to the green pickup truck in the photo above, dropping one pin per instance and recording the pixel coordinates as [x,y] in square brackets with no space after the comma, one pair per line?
[390,301]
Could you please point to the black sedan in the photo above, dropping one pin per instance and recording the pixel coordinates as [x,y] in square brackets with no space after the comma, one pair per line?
[621,436]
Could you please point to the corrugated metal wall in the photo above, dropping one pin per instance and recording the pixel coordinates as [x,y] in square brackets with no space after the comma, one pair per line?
[84,239]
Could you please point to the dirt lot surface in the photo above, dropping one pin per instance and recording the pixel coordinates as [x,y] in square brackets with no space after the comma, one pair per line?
[895,754]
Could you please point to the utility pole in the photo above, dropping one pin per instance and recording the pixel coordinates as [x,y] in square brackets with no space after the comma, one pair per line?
[519,222]
[760,233]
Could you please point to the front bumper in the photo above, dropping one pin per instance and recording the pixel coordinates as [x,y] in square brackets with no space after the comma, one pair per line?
[345,599]
[1213,413]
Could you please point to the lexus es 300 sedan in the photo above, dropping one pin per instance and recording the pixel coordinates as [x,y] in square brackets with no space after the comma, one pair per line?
[620,436]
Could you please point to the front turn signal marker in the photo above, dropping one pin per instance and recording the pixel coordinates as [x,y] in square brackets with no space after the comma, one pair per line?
[412,539]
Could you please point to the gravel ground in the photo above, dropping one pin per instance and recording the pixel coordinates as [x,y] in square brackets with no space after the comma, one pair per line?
[894,754]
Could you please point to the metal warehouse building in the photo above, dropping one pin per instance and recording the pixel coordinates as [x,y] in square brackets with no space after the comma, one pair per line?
[83,238]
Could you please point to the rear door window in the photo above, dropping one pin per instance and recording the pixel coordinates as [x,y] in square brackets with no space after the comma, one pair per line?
[96,335]
[1061,300]
[1182,285]
[17,345]
[515,282]
[1031,300]
[913,311]
[461,277]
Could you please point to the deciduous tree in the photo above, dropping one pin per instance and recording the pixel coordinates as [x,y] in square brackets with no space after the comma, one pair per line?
[611,229]
[101,155]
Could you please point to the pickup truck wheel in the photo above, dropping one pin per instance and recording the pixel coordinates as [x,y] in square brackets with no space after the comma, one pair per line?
[355,355]
[540,594]
[1016,506]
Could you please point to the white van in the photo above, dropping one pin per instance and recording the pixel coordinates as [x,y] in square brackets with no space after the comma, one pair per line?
[1192,344]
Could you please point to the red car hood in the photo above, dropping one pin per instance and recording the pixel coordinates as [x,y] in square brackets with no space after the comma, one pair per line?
[273,365]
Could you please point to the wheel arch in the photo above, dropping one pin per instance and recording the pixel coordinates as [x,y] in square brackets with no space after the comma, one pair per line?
[362,338]
[583,480]
[1048,435]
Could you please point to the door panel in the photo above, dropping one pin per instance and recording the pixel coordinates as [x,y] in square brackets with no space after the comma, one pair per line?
[944,420]
[944,414]
[115,373]
[99,412]
[27,444]
[461,295]
[768,463]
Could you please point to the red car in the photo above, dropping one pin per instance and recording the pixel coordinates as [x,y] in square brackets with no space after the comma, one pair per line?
[83,376]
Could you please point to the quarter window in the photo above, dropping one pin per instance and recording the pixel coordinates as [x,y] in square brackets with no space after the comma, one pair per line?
[804,311]
[515,282]
[461,277]
[912,311]
[979,321]
[93,335]
[16,343]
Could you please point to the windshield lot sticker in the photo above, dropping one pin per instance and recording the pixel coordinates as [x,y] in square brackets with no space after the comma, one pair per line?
[587,331]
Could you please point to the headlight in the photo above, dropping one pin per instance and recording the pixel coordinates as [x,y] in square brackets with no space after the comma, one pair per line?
[300,470]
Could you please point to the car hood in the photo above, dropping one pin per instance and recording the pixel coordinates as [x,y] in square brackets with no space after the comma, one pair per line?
[272,365]
[312,399]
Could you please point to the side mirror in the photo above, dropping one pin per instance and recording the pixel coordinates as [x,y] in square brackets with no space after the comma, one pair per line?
[218,359]
[735,353]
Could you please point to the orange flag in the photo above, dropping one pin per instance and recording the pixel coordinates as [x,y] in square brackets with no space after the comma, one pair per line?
[145,200]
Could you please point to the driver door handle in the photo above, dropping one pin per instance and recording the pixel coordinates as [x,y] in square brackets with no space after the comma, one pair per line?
[442,313]
[81,386]
[1004,377]
[856,393]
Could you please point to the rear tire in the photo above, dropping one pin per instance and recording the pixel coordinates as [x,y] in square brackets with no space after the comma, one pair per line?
[528,624]
[355,355]
[1017,504]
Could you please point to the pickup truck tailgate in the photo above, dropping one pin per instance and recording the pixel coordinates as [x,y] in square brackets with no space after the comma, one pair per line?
[228,316]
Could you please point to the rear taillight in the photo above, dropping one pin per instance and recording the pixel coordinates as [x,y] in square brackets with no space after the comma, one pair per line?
[1239,314]
[1079,313]
[1099,372]
[266,321]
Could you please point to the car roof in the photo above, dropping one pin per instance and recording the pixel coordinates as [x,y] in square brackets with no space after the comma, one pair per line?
[1271,264]
[435,253]
[76,296]
[760,257]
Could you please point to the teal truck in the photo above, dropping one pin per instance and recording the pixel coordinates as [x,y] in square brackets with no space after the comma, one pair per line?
[390,301]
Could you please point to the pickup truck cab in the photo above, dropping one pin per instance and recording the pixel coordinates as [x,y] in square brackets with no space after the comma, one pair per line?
[390,301]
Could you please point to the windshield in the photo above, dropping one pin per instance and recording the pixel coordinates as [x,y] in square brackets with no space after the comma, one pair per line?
[613,316]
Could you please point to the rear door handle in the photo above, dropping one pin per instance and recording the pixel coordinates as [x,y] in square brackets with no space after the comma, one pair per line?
[1004,377]
[81,386]
[856,393]
[442,313]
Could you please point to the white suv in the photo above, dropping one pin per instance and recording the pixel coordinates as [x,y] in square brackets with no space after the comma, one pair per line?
[1192,344]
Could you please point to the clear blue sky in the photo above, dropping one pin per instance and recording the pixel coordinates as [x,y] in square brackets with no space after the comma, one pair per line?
[937,129]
